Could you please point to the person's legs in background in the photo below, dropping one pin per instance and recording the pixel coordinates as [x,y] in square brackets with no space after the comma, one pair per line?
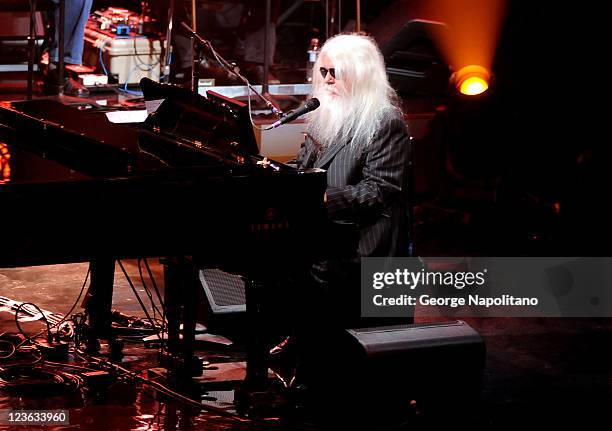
[75,18]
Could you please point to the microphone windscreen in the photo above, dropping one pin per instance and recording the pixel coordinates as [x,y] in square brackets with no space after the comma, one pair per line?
[313,104]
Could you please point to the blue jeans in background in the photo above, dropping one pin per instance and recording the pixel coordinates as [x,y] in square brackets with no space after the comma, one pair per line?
[77,13]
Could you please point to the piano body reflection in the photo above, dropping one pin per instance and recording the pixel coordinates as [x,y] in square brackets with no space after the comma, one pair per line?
[187,182]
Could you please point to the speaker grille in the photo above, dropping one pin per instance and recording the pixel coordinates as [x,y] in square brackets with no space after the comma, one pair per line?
[224,291]
[410,338]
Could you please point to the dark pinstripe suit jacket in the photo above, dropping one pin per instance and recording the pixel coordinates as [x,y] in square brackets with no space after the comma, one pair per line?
[369,187]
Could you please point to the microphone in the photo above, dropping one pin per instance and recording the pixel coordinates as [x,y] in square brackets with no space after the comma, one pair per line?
[310,105]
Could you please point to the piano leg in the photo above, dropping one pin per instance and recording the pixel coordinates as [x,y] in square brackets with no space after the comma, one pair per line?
[99,300]
[181,281]
[255,397]
[257,352]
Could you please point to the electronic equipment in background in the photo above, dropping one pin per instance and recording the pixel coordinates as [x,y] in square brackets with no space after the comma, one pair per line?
[118,21]
[116,46]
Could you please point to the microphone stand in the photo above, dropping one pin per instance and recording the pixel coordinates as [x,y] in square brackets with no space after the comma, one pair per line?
[230,68]
[169,35]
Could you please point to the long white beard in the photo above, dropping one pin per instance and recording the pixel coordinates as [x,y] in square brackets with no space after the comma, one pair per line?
[330,122]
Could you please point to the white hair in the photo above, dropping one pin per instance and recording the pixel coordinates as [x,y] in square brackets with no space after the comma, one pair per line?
[367,99]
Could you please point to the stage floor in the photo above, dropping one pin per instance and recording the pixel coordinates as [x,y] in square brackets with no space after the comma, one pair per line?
[552,372]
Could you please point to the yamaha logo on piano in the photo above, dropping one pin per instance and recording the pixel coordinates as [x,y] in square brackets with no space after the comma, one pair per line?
[271,222]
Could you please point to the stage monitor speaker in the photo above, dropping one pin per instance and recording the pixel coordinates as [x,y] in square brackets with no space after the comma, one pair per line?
[385,370]
[224,297]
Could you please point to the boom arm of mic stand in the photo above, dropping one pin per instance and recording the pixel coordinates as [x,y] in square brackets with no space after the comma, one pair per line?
[203,42]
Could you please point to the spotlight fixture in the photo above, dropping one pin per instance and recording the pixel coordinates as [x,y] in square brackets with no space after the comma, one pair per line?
[471,80]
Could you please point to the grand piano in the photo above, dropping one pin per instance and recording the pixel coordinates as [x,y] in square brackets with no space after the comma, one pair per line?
[187,184]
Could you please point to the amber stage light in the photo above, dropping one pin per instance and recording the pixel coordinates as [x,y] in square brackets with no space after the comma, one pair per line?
[470,39]
[471,80]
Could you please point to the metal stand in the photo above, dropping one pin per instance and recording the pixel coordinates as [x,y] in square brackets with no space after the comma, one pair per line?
[266,64]
[195,65]
[194,13]
[195,53]
[411,244]
[31,42]
[60,48]
[230,68]
[32,46]
[168,57]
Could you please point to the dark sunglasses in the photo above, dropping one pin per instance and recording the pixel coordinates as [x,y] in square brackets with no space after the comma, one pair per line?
[324,71]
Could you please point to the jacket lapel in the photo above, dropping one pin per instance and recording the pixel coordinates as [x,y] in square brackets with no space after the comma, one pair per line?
[329,153]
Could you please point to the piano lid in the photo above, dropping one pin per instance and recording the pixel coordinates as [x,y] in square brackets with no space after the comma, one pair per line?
[217,121]
[186,131]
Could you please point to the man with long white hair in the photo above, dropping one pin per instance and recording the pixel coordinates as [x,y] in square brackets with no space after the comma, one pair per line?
[359,136]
